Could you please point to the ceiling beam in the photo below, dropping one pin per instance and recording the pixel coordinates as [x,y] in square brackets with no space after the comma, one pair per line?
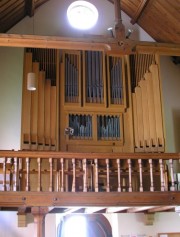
[116,209]
[139,209]
[30,7]
[143,4]
[161,208]
[107,44]
[89,199]
[90,210]
[119,27]
[34,41]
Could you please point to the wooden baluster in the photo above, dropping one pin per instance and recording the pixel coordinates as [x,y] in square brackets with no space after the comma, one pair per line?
[91,174]
[162,175]
[39,188]
[27,174]
[140,175]
[172,188]
[58,180]
[11,174]
[51,175]
[96,175]
[84,175]
[151,175]
[62,175]
[74,176]
[107,169]
[4,188]
[130,175]
[16,176]
[119,174]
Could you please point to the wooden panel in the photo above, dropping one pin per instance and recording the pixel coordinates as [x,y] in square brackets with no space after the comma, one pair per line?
[145,110]
[41,85]
[151,111]
[34,108]
[127,134]
[26,103]
[157,102]
[130,7]
[47,114]
[53,117]
[136,136]
[138,94]
[155,12]
[88,148]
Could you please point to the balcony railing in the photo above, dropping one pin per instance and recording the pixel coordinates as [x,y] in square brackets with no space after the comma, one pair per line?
[88,172]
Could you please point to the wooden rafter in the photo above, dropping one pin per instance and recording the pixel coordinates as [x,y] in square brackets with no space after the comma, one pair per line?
[30,7]
[161,208]
[139,11]
[138,209]
[119,27]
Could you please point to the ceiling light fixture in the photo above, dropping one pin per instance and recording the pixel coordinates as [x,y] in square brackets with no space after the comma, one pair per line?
[82,15]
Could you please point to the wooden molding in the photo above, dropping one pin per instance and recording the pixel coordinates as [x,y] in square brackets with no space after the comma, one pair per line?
[88,199]
[115,46]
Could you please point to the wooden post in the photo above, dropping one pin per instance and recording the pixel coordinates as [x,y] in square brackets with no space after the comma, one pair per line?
[96,175]
[84,175]
[151,175]
[62,175]
[39,188]
[107,169]
[119,174]
[74,176]
[51,175]
[4,173]
[39,214]
[140,175]
[28,174]
[119,27]
[130,175]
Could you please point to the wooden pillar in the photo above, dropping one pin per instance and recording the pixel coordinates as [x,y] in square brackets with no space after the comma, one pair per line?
[119,27]
[39,214]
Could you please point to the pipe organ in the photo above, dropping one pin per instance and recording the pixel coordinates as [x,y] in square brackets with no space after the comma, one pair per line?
[109,102]
[94,74]
[39,107]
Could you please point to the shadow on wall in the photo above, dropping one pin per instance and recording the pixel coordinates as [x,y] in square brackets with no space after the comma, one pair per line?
[176,122]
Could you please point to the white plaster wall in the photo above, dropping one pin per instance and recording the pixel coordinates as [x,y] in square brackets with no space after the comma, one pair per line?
[11,71]
[9,225]
[170,78]
[133,224]
[129,224]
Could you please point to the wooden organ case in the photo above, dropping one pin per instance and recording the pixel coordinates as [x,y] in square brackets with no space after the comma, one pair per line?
[92,101]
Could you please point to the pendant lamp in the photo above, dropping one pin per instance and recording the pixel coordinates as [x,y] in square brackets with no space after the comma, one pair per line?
[31,81]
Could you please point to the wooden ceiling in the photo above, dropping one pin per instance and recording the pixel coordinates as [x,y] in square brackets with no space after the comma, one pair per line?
[159,18]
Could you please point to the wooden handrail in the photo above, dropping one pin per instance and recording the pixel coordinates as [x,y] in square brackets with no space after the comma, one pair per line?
[92,155]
